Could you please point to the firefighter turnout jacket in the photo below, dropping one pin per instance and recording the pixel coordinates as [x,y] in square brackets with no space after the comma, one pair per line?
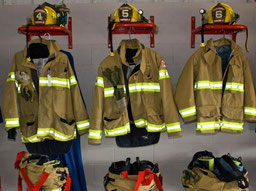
[149,90]
[57,106]
[216,88]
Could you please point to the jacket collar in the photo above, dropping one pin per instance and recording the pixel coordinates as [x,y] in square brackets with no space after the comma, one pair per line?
[210,51]
[132,44]
[52,46]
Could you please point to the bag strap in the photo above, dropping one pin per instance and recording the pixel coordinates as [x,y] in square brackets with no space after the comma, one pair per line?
[242,181]
[68,183]
[151,175]
[30,185]
[125,175]
[19,157]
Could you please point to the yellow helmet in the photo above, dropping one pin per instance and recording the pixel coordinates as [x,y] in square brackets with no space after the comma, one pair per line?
[126,13]
[222,13]
[48,14]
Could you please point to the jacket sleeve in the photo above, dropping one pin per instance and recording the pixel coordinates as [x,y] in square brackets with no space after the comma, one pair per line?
[95,130]
[249,93]
[10,103]
[171,116]
[184,93]
[79,109]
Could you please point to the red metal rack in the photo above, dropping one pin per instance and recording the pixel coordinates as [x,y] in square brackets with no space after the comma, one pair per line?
[215,30]
[52,30]
[136,28]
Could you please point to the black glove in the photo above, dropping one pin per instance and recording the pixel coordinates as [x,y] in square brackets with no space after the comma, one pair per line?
[12,134]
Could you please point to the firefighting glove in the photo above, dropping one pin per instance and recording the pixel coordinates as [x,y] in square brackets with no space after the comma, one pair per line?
[189,178]
[27,91]
[115,78]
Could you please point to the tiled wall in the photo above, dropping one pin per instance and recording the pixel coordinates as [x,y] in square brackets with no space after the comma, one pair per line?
[90,47]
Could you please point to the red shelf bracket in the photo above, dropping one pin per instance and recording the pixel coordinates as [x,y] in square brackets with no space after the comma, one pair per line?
[135,28]
[35,30]
[215,30]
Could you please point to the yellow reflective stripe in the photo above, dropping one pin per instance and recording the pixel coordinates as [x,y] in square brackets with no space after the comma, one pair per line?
[109,92]
[149,126]
[206,126]
[140,122]
[163,74]
[31,139]
[250,111]
[208,85]
[19,89]
[144,87]
[55,81]
[173,127]
[11,80]
[118,131]
[210,161]
[99,82]
[81,125]
[94,134]
[155,128]
[233,86]
[73,80]
[216,125]
[11,77]
[12,122]
[187,112]
[232,126]
[55,134]
[58,189]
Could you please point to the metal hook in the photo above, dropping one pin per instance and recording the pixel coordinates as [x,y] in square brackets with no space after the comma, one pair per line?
[47,34]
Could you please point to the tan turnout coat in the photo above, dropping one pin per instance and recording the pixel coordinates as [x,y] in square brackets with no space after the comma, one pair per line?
[57,109]
[150,92]
[199,90]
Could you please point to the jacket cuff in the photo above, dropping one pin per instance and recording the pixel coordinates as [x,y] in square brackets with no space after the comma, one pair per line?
[82,132]
[249,118]
[189,119]
[83,126]
[178,133]
[94,141]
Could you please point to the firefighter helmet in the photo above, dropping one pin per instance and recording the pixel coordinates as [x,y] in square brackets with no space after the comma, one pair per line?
[222,13]
[126,13]
[48,14]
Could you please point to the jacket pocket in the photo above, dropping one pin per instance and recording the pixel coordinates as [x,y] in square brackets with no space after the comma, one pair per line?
[156,119]
[62,103]
[208,112]
[113,121]
[233,113]
[28,125]
[148,74]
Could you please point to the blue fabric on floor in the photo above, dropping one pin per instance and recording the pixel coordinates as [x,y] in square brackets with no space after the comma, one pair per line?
[73,159]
